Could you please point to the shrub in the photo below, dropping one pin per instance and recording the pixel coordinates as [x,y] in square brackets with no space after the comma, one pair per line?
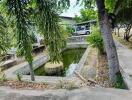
[2,76]
[95,39]
[63,84]
[19,77]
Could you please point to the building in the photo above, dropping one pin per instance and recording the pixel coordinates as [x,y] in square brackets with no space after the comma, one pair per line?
[67,21]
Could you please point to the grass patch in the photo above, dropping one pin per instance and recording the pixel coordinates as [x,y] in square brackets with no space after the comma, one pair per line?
[120,82]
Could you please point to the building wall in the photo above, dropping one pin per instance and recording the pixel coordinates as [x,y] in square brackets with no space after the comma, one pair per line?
[66,21]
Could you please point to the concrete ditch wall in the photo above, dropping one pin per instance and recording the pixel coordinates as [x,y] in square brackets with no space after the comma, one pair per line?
[23,68]
[77,94]
[75,39]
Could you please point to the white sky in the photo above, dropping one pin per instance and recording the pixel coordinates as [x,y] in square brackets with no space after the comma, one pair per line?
[73,10]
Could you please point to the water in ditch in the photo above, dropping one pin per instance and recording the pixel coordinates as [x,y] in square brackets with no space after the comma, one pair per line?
[69,56]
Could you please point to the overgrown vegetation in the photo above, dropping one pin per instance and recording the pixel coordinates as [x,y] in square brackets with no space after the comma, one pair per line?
[119,82]
[4,37]
[95,39]
[19,77]
[2,77]
[86,15]
[66,85]
[22,15]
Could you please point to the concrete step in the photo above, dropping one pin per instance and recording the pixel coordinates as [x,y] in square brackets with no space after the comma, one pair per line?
[77,94]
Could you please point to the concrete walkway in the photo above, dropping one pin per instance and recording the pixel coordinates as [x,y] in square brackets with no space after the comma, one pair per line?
[78,94]
[125,60]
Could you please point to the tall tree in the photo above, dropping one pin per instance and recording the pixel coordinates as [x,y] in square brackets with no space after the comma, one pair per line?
[20,12]
[108,40]
[124,16]
[17,12]
[86,15]
[49,26]
[47,19]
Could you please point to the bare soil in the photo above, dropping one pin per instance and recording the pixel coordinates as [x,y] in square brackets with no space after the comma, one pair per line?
[96,68]
[102,71]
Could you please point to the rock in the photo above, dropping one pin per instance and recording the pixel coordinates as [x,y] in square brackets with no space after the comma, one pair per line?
[53,68]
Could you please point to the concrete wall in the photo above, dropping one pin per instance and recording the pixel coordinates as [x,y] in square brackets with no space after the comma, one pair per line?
[65,21]
[75,39]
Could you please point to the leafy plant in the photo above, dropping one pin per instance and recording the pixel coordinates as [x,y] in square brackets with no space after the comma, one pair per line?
[2,76]
[119,81]
[47,19]
[86,15]
[63,84]
[4,39]
[19,77]
[95,39]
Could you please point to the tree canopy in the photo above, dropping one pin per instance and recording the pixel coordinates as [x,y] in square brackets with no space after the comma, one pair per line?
[86,15]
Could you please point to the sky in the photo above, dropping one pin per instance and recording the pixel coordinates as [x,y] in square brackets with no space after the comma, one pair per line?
[73,10]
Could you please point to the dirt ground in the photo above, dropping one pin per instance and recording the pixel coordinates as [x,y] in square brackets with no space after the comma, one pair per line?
[96,68]
[121,40]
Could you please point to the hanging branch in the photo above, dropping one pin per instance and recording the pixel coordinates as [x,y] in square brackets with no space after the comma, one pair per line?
[4,39]
[48,23]
[17,9]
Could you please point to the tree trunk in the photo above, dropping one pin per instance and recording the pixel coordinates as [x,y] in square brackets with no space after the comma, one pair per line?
[31,71]
[127,34]
[108,41]
[115,31]
[118,32]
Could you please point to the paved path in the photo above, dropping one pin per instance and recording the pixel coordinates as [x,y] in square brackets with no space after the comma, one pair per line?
[78,94]
[125,60]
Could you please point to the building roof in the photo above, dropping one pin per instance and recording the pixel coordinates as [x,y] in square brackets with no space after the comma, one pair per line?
[66,17]
[90,21]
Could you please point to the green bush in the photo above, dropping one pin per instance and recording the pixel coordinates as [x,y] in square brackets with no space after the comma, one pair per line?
[19,77]
[95,39]
[2,76]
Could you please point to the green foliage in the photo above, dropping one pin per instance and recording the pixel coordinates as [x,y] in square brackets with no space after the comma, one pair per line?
[4,38]
[124,16]
[47,20]
[65,33]
[86,15]
[95,39]
[2,76]
[110,5]
[69,30]
[77,18]
[119,81]
[88,4]
[63,4]
[19,14]
[19,77]
[66,85]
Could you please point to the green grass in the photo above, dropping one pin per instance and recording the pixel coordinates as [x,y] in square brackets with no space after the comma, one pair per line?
[120,82]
